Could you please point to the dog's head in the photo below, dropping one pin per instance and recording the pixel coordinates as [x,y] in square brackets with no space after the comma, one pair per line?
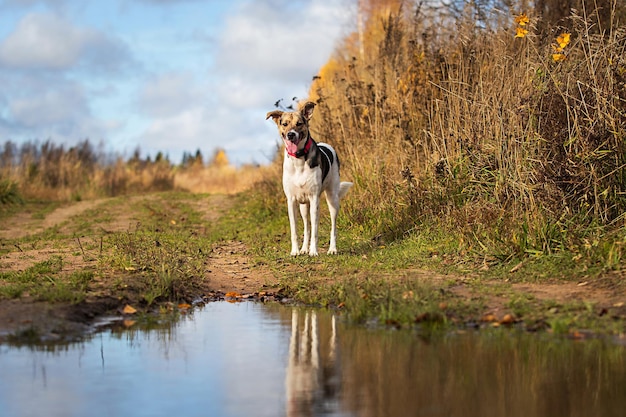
[293,126]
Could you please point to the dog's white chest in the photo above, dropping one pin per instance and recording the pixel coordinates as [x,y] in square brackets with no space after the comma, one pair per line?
[301,182]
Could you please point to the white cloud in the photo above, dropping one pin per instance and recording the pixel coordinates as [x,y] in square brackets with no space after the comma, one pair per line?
[48,107]
[43,41]
[169,94]
[281,39]
[60,105]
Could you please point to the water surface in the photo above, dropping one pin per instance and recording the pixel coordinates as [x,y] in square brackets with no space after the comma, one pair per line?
[248,359]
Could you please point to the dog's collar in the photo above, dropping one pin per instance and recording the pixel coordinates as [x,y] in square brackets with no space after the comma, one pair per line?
[304,151]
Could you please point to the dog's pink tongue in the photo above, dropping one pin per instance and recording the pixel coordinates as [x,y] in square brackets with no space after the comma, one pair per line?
[292,148]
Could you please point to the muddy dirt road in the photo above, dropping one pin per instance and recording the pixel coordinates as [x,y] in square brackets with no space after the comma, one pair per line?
[75,233]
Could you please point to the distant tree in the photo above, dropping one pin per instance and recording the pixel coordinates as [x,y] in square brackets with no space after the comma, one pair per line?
[198,159]
[219,159]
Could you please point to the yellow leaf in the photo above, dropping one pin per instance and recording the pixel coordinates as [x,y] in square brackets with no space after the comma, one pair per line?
[522,19]
[232,294]
[558,57]
[129,323]
[508,319]
[489,318]
[520,32]
[563,39]
[173,221]
[184,306]
[129,310]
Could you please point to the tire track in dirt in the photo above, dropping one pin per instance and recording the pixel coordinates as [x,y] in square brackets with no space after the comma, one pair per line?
[23,224]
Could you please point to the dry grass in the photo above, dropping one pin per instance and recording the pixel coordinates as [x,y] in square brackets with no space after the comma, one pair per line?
[220,179]
[52,172]
[443,120]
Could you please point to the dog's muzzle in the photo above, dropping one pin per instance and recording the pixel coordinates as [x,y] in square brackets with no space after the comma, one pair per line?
[292,137]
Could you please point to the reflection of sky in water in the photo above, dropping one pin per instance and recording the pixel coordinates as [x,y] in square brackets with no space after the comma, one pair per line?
[248,359]
[229,361]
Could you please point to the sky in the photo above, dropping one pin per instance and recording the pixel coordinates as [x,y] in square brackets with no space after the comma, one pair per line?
[161,75]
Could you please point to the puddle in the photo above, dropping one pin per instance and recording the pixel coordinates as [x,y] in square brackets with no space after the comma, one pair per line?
[249,359]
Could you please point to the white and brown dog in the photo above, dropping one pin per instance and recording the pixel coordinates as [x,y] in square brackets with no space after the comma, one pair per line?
[309,169]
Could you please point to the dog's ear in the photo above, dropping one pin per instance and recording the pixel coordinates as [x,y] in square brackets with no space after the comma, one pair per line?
[275,115]
[307,110]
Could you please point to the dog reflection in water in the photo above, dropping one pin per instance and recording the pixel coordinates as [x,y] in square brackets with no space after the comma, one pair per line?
[312,371]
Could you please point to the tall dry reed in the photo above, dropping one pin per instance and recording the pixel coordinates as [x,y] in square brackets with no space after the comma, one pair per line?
[491,134]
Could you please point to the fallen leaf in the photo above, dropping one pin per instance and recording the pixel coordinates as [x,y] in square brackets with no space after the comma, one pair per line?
[620,304]
[489,318]
[129,309]
[184,306]
[508,319]
[232,294]
[577,335]
[129,323]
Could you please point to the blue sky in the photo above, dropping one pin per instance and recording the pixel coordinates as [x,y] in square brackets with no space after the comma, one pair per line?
[161,75]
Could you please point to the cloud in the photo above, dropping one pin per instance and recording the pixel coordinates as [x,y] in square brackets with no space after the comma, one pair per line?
[169,94]
[48,107]
[43,41]
[285,40]
[266,51]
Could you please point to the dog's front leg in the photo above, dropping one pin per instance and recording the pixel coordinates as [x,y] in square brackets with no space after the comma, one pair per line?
[315,216]
[304,212]
[291,209]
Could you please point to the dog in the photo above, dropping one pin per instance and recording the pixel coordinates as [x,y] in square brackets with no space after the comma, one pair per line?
[309,168]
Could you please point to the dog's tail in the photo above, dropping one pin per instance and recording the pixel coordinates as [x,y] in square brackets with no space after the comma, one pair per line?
[344,187]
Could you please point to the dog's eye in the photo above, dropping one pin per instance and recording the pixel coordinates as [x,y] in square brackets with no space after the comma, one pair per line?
[285,124]
[299,124]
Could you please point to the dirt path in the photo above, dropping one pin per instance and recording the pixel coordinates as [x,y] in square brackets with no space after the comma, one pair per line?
[229,268]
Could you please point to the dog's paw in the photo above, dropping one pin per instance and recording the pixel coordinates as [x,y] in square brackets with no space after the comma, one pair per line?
[332,251]
[313,252]
[295,253]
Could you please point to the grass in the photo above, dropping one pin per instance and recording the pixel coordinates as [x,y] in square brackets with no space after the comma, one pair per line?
[44,282]
[158,254]
[474,154]
[411,281]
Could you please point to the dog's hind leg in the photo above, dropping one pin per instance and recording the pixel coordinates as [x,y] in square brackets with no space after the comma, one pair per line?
[315,218]
[333,208]
[291,209]
[304,212]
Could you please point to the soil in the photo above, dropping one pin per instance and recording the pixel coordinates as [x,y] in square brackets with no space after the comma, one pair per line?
[230,270]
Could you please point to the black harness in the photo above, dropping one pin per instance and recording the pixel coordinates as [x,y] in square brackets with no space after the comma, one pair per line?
[326,160]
